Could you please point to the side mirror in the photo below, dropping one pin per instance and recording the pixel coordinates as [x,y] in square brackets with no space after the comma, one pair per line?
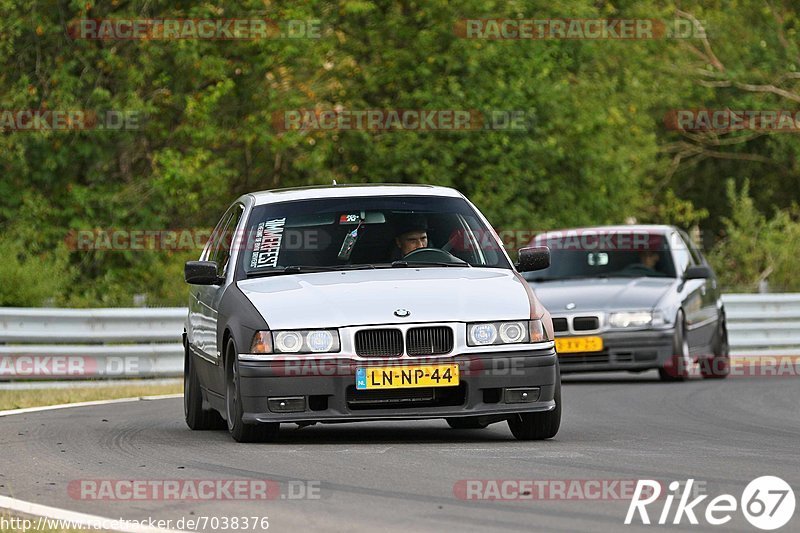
[201,273]
[697,272]
[533,258]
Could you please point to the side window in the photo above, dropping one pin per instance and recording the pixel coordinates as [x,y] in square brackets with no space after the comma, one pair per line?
[213,240]
[697,257]
[225,240]
[680,250]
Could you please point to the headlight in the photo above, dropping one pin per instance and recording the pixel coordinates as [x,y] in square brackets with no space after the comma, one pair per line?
[630,319]
[516,332]
[482,334]
[296,341]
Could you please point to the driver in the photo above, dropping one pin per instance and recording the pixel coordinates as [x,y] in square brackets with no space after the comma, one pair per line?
[647,259]
[413,235]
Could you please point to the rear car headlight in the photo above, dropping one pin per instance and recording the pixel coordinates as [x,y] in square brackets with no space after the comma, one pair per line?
[296,341]
[635,319]
[511,332]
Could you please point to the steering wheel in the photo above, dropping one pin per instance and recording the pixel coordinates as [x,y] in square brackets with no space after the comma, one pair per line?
[432,255]
[638,268]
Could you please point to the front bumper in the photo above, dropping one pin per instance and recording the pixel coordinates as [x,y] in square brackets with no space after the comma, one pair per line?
[622,350]
[328,388]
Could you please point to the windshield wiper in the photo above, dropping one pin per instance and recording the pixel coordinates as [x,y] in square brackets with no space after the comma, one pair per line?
[291,269]
[306,269]
[403,264]
[566,278]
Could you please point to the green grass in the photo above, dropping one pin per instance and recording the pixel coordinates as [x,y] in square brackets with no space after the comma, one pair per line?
[17,399]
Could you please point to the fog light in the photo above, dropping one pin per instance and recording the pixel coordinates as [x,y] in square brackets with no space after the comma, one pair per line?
[293,404]
[522,395]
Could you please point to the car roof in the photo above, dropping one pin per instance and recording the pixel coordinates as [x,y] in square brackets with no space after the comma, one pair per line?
[660,229]
[351,190]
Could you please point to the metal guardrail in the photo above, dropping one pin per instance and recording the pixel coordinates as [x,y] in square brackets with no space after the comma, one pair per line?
[114,343]
[90,343]
[763,324]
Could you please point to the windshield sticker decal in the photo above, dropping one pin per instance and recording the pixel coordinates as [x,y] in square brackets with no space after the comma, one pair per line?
[267,243]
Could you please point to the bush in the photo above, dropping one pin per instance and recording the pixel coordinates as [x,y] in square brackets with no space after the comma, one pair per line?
[755,248]
[32,277]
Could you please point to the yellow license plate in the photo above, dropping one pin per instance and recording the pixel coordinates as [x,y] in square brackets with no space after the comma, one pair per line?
[402,377]
[579,344]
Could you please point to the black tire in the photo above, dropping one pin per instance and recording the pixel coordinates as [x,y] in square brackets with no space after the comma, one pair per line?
[538,426]
[240,431]
[466,422]
[718,366]
[677,367]
[196,417]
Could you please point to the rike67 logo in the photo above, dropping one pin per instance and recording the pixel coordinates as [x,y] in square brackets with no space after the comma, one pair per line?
[767,502]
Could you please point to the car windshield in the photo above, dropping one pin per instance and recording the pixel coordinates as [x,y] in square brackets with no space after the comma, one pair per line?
[367,232]
[588,254]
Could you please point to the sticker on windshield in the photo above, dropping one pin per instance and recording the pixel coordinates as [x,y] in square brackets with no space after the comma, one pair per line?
[267,243]
[350,218]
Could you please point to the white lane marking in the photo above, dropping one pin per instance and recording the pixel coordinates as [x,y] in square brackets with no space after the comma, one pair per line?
[363,450]
[73,519]
[10,412]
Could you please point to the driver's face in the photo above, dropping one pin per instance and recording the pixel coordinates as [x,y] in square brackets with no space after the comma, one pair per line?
[649,259]
[412,240]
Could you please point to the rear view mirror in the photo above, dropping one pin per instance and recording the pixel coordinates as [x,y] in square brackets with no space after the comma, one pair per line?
[201,273]
[697,272]
[533,258]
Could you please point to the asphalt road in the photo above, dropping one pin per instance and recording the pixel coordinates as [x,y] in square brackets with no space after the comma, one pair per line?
[401,476]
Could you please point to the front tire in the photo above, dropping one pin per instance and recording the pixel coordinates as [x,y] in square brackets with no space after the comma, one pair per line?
[677,367]
[718,366]
[538,426]
[196,417]
[240,431]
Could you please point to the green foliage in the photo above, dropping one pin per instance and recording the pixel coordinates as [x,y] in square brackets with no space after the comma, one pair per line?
[756,247]
[32,277]
[596,150]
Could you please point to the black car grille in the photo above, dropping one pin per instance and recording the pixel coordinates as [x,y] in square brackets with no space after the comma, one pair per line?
[437,340]
[560,324]
[379,342]
[586,359]
[585,323]
[412,398]
[379,396]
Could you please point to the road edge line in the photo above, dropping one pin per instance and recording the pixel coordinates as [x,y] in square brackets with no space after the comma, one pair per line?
[74,518]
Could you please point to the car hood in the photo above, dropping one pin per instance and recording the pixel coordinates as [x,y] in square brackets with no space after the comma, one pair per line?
[365,297]
[602,294]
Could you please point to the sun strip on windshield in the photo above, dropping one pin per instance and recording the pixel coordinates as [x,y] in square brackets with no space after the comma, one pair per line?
[267,243]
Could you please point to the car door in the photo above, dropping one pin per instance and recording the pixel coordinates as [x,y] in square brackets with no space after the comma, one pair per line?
[692,292]
[711,305]
[206,298]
